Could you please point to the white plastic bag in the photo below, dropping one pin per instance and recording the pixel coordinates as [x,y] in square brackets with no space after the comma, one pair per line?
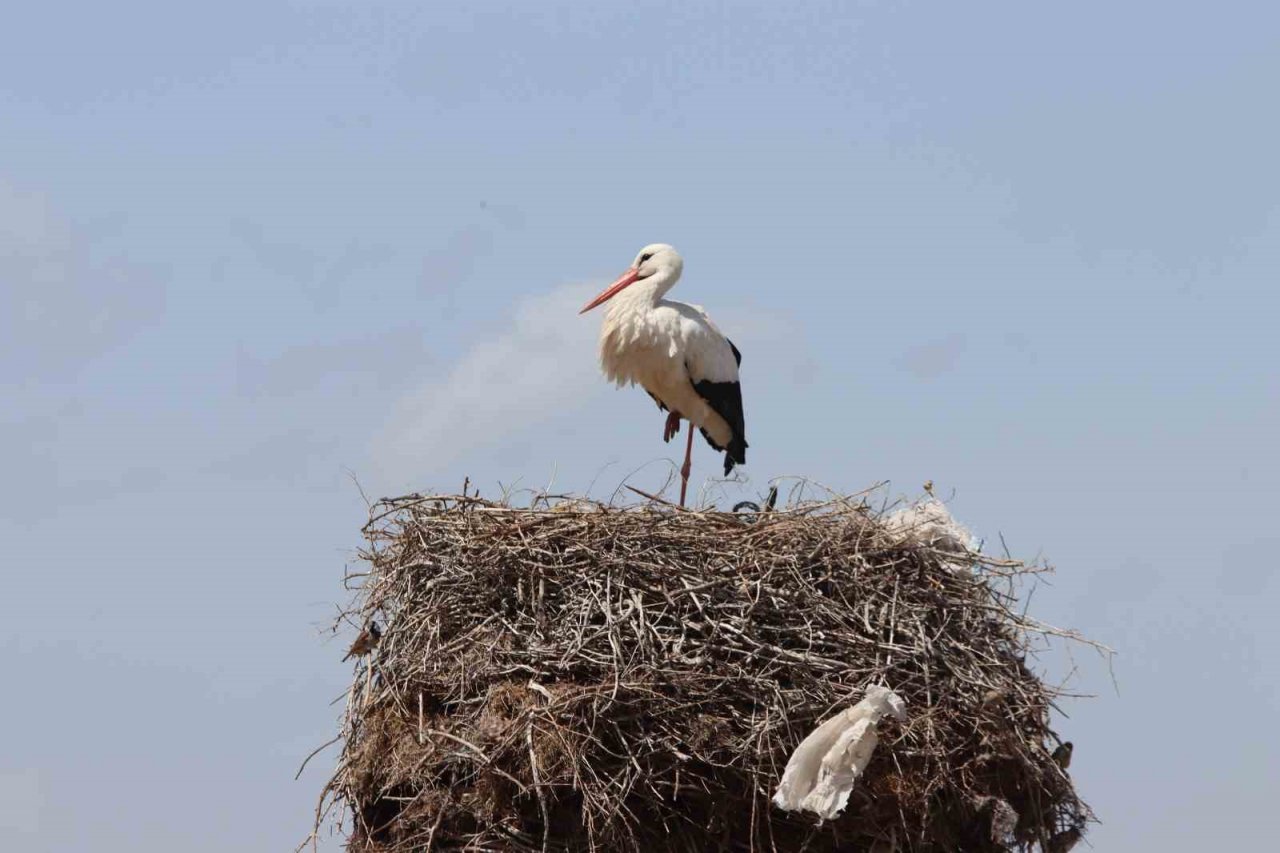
[823,769]
[930,523]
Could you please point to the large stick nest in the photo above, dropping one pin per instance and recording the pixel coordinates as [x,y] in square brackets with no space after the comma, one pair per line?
[581,676]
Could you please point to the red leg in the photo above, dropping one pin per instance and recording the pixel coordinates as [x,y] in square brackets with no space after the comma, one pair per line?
[672,428]
[688,465]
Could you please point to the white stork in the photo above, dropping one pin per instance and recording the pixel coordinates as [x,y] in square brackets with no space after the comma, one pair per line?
[674,352]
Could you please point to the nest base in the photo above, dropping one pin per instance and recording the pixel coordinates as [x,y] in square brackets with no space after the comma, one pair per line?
[592,677]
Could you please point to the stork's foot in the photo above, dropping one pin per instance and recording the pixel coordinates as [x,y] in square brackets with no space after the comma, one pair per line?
[672,427]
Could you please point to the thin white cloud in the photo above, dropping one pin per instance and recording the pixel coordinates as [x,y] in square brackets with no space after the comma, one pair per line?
[309,366]
[544,363]
[63,299]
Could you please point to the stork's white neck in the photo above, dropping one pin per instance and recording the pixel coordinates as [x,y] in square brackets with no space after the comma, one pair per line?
[646,292]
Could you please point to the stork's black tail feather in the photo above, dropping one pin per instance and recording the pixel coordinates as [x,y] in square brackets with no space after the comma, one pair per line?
[735,454]
[725,398]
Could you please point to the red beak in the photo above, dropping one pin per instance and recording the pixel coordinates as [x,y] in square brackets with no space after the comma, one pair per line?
[627,278]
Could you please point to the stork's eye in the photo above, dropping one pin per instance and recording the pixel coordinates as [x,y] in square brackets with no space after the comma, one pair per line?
[646,256]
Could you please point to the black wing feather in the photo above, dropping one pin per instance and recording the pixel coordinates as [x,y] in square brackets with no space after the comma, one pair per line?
[726,399]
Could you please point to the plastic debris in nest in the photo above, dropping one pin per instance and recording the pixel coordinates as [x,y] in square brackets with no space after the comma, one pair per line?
[824,768]
[928,522]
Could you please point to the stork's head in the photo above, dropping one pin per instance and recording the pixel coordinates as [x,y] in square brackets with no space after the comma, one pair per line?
[657,264]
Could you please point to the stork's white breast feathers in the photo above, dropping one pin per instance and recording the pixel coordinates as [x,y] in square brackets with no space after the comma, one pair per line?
[667,348]
[632,342]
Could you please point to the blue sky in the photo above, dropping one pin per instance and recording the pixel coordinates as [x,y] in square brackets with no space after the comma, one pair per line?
[249,250]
